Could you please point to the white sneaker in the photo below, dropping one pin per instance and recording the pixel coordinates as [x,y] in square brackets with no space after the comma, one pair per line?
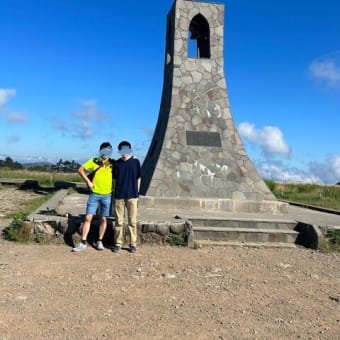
[99,245]
[81,246]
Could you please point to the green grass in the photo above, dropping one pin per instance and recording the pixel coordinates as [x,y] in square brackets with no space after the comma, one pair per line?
[332,241]
[31,205]
[20,230]
[176,240]
[15,231]
[43,178]
[312,194]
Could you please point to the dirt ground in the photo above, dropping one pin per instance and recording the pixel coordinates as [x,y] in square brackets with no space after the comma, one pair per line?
[162,292]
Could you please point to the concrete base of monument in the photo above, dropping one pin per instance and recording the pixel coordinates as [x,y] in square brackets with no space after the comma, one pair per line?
[214,204]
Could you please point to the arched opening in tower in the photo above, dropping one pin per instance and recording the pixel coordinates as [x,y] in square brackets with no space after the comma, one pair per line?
[199,37]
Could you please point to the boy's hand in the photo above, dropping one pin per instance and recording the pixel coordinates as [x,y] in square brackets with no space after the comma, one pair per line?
[90,185]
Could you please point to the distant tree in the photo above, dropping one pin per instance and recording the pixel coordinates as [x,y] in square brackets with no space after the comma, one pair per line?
[40,167]
[65,166]
[9,163]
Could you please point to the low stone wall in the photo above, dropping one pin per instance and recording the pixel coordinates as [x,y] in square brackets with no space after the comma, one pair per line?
[310,236]
[151,232]
[70,229]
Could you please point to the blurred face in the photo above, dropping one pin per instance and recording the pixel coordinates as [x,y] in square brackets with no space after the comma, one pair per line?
[125,151]
[106,152]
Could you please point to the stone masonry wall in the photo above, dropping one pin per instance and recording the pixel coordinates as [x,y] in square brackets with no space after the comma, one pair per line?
[196,150]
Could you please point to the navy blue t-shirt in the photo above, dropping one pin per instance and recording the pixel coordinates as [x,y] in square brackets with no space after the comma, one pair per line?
[126,174]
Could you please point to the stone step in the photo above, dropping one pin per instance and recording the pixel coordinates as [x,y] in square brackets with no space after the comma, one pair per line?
[282,224]
[210,243]
[244,234]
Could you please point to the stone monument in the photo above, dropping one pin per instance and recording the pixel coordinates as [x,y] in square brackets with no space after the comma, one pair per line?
[196,151]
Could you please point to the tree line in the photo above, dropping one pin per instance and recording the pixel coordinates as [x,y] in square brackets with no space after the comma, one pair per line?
[60,166]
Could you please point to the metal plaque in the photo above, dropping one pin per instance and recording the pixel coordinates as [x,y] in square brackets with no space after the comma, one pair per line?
[203,138]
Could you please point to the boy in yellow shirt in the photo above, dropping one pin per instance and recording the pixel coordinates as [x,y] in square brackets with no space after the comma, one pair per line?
[99,182]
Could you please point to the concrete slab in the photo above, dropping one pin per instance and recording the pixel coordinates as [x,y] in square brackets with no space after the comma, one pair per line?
[75,204]
[310,224]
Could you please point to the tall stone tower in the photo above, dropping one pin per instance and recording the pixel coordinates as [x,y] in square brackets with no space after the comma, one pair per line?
[196,151]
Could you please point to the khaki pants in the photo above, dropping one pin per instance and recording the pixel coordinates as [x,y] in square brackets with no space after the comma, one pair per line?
[131,206]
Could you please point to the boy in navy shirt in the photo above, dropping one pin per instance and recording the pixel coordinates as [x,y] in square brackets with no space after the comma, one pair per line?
[127,173]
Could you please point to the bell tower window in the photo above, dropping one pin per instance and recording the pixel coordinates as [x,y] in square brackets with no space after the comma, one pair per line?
[199,37]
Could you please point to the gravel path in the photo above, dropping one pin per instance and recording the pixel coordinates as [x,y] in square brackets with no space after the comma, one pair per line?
[161,292]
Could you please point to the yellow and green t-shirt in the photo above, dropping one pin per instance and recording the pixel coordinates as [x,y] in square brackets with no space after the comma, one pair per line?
[102,181]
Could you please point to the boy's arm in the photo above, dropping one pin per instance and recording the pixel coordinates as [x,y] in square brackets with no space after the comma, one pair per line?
[82,173]
[139,175]
[138,183]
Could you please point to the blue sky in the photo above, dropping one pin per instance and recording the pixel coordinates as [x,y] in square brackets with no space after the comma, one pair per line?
[76,73]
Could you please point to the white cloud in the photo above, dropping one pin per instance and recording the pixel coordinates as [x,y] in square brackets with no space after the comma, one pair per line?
[277,172]
[86,131]
[60,124]
[270,139]
[17,117]
[327,68]
[32,159]
[88,118]
[13,139]
[11,117]
[328,171]
[5,95]
[90,111]
[82,124]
